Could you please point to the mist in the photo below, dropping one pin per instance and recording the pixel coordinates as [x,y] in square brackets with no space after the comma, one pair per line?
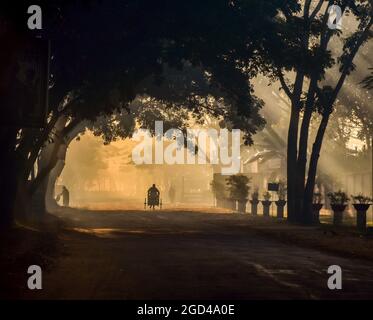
[103,176]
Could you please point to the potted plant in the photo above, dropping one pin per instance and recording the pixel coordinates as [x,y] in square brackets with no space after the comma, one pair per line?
[361,204]
[254,202]
[238,188]
[316,207]
[281,202]
[338,202]
[266,203]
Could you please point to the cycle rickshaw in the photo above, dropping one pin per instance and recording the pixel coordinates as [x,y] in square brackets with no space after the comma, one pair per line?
[153,199]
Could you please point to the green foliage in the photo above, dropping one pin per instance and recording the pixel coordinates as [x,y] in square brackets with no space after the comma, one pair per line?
[143,44]
[282,190]
[361,199]
[267,196]
[106,53]
[338,198]
[119,125]
[238,187]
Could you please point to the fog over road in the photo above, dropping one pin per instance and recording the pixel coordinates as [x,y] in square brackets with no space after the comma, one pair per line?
[188,255]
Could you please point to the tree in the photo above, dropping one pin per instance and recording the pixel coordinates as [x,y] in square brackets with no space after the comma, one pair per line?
[303,43]
[238,187]
[98,68]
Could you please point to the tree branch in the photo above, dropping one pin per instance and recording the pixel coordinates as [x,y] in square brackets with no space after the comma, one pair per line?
[350,59]
[316,10]
[34,184]
[39,144]
[284,85]
[306,11]
[44,136]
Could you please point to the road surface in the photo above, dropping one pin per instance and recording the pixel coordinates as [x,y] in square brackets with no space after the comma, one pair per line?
[188,255]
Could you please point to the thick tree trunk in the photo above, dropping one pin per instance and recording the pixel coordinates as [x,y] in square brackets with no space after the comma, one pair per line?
[46,162]
[292,151]
[38,201]
[58,160]
[31,145]
[312,171]
[303,148]
[302,161]
[291,163]
[8,135]
[50,201]
[8,177]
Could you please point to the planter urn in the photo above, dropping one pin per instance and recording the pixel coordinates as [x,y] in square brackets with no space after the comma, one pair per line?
[266,206]
[361,215]
[338,210]
[280,208]
[254,207]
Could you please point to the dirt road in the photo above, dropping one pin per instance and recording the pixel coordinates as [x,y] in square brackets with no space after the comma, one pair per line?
[188,255]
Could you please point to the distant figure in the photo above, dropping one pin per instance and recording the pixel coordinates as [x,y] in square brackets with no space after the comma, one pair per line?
[65,196]
[153,196]
[171,194]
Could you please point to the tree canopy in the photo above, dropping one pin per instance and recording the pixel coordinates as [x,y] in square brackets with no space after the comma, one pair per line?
[196,55]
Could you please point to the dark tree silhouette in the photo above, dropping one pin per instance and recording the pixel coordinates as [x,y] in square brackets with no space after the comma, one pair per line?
[302,41]
[102,53]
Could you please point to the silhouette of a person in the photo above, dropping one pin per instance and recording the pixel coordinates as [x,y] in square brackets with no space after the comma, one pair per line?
[153,196]
[65,196]
[171,194]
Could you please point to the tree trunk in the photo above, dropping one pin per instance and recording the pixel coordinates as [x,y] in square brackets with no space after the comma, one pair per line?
[55,172]
[38,201]
[308,194]
[50,201]
[324,122]
[292,151]
[303,147]
[47,158]
[30,147]
[302,162]
[8,176]
[291,163]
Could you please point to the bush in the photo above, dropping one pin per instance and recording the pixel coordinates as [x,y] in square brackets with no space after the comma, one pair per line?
[338,198]
[238,187]
[361,199]
[267,196]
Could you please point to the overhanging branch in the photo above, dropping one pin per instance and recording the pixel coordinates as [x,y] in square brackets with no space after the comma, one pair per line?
[284,85]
